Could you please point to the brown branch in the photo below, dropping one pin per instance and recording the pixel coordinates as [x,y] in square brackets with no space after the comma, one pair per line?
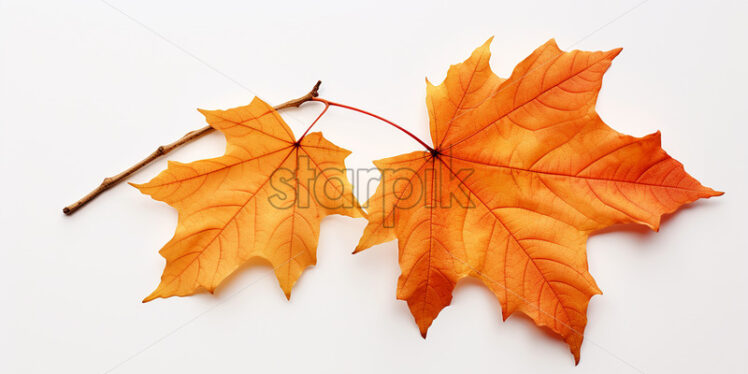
[164,149]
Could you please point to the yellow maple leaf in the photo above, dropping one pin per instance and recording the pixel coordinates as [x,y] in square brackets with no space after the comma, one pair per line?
[264,198]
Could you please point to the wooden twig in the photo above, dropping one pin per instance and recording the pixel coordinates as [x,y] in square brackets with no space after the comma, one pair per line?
[164,149]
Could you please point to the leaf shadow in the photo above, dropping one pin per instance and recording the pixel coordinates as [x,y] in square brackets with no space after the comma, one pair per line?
[543,332]
[643,232]
[249,270]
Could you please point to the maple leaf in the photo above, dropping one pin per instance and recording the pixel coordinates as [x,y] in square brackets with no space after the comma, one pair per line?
[265,198]
[522,171]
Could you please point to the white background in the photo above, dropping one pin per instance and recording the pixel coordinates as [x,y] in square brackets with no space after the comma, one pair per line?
[86,90]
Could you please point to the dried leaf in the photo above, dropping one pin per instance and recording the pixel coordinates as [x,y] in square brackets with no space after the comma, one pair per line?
[524,170]
[265,198]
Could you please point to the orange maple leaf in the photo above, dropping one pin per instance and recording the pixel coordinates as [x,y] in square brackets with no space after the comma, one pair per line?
[523,171]
[265,198]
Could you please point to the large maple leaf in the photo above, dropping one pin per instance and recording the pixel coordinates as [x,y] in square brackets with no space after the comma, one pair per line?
[523,171]
[265,197]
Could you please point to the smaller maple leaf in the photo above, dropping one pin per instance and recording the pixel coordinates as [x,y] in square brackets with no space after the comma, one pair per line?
[264,198]
[522,172]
